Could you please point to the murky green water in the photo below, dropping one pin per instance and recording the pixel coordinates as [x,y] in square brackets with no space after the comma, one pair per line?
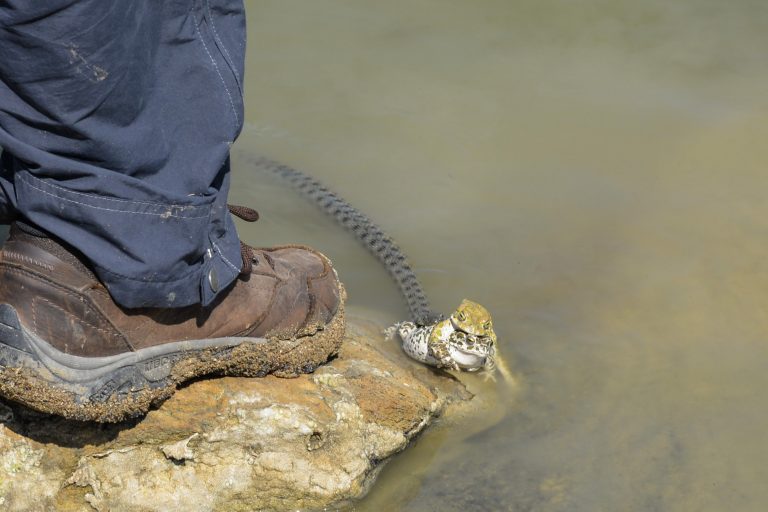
[592,171]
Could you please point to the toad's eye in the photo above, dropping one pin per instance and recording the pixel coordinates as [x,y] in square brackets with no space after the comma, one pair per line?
[487,325]
[461,316]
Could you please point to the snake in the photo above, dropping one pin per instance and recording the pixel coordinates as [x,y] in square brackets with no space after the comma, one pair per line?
[464,340]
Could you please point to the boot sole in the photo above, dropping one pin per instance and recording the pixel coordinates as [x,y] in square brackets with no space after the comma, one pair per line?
[115,388]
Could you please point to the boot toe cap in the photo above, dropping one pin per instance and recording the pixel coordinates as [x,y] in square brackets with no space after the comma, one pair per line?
[309,279]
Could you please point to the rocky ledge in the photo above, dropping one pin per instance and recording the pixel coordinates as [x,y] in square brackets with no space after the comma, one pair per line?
[236,444]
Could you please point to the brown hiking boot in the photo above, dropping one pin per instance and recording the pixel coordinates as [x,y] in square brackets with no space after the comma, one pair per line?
[67,348]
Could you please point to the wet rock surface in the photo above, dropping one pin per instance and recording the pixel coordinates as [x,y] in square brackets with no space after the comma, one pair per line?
[235,444]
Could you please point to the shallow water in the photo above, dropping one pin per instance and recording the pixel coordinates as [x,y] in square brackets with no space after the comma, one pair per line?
[591,171]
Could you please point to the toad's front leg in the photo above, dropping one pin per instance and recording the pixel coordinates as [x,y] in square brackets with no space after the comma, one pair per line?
[438,349]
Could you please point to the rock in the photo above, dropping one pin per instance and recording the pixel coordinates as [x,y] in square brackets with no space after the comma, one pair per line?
[236,444]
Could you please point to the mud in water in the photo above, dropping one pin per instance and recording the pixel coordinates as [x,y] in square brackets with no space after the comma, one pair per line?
[594,173]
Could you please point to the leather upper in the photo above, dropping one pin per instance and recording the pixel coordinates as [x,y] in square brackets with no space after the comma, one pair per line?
[290,290]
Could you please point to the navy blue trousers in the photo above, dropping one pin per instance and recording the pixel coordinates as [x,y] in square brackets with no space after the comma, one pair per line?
[116,119]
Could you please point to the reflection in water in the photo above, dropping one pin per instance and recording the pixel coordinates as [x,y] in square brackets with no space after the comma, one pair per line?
[591,171]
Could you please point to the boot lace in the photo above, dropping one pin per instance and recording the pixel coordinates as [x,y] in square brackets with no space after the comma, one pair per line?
[246,251]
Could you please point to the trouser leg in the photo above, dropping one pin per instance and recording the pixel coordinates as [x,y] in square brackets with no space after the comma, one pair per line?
[116,119]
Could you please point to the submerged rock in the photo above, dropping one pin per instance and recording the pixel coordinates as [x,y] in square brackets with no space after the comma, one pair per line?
[237,444]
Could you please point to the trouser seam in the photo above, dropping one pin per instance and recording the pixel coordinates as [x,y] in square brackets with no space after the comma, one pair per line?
[224,258]
[129,212]
[236,119]
[219,41]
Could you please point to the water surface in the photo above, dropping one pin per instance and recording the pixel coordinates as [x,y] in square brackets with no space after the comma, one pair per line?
[593,172]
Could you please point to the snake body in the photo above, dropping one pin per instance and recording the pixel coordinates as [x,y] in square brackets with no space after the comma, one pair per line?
[463,341]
